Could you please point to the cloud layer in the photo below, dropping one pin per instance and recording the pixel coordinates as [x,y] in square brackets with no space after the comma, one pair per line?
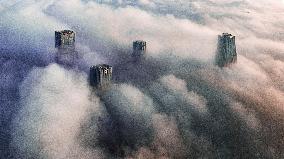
[173,104]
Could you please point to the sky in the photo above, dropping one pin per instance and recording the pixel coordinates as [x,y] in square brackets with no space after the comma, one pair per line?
[174,103]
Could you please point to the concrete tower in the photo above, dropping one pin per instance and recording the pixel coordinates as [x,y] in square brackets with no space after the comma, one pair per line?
[64,39]
[139,48]
[101,76]
[226,51]
[65,43]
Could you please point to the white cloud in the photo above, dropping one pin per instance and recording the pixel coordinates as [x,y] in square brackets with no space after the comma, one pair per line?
[186,31]
[174,93]
[55,105]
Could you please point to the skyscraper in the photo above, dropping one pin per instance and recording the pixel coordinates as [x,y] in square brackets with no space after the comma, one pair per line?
[226,51]
[65,43]
[101,76]
[139,48]
[64,39]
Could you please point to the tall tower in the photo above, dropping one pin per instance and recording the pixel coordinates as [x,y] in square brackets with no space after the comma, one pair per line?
[101,76]
[64,39]
[139,48]
[226,51]
[65,43]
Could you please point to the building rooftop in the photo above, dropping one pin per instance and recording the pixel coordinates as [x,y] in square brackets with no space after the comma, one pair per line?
[227,35]
[65,31]
[101,66]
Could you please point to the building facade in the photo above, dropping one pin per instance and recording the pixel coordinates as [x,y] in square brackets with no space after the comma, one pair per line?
[65,44]
[139,48]
[64,38]
[101,76]
[226,51]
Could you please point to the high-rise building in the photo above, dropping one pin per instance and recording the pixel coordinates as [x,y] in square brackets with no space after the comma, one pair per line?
[226,51]
[139,48]
[101,76]
[65,43]
[64,39]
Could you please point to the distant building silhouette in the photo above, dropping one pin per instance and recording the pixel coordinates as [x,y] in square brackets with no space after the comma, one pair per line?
[226,51]
[64,39]
[101,76]
[139,48]
[65,43]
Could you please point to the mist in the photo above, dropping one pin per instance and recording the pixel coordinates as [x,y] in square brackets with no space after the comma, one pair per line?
[174,103]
